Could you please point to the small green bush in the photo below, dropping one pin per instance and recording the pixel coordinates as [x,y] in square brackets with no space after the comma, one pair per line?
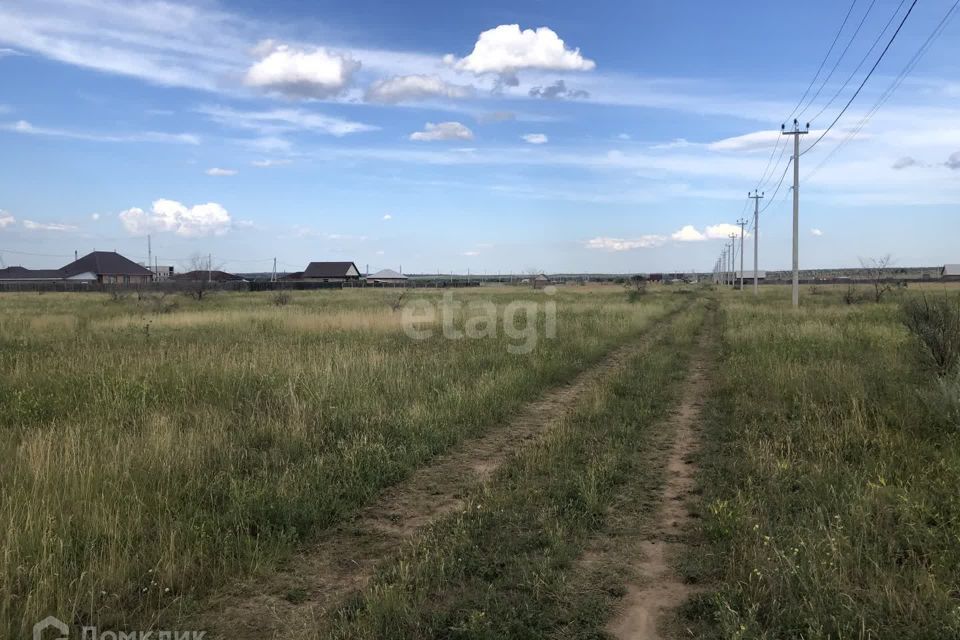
[935,323]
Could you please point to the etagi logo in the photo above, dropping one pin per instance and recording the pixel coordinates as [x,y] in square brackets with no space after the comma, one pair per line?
[47,623]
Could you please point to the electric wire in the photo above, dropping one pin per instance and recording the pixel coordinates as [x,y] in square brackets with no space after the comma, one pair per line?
[862,84]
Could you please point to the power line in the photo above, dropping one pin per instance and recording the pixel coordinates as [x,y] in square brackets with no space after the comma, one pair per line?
[911,64]
[783,152]
[862,84]
[876,41]
[825,58]
[779,184]
[840,58]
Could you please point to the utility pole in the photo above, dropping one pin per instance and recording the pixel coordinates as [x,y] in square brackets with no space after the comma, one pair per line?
[209,267]
[756,197]
[273,276]
[741,222]
[733,260]
[796,133]
[149,253]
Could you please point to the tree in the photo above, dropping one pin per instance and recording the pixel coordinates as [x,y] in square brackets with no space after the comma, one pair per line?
[197,264]
[876,269]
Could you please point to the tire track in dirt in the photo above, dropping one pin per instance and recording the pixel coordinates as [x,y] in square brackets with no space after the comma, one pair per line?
[659,590]
[293,602]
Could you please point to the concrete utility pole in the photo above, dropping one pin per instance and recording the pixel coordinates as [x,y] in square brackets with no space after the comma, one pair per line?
[149,253]
[741,222]
[756,235]
[209,267]
[733,260]
[273,277]
[796,133]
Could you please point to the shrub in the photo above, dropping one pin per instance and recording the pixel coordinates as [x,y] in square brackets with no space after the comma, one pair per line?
[935,323]
[281,299]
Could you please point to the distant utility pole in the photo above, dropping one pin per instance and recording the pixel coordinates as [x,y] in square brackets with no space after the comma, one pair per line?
[273,276]
[741,222]
[756,234]
[796,133]
[209,267]
[149,253]
[733,260]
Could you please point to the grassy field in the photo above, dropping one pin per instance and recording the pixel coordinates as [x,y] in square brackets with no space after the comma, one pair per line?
[831,471]
[157,453]
[153,452]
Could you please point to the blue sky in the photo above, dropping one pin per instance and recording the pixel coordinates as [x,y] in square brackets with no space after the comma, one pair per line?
[499,136]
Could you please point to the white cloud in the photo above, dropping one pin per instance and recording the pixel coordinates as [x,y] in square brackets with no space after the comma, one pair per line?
[94,216]
[904,162]
[414,87]
[387,216]
[536,138]
[557,91]
[280,121]
[443,131]
[506,49]
[6,219]
[271,162]
[765,140]
[217,171]
[30,225]
[816,232]
[301,73]
[688,233]
[621,244]
[172,216]
[723,231]
[471,254]
[6,51]
[24,127]
[624,136]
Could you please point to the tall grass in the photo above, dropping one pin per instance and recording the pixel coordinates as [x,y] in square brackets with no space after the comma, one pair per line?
[830,483]
[148,458]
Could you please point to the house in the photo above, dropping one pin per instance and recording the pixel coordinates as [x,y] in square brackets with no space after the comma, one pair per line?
[331,272]
[22,274]
[106,267]
[387,276]
[161,272]
[207,275]
[950,272]
[102,267]
[541,282]
[748,275]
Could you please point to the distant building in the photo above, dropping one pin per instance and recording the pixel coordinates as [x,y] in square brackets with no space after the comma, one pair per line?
[331,272]
[748,275]
[161,272]
[541,282]
[387,276]
[204,275]
[103,267]
[950,272]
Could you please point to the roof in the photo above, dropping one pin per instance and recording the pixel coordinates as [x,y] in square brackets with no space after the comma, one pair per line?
[387,274]
[21,273]
[205,275]
[105,262]
[329,270]
[748,273]
[541,278]
[951,270]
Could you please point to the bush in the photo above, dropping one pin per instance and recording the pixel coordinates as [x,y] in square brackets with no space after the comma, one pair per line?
[935,323]
[281,299]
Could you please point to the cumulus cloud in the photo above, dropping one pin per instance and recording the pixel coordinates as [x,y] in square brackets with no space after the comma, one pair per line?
[300,73]
[387,216]
[442,131]
[217,171]
[536,138]
[722,231]
[30,225]
[172,216]
[904,162]
[414,87]
[557,91]
[816,232]
[953,162]
[6,219]
[621,244]
[688,233]
[506,49]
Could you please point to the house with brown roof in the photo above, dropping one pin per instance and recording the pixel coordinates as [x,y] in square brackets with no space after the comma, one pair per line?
[207,275]
[104,267]
[331,272]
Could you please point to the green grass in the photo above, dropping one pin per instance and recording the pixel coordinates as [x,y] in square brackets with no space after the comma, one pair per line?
[505,567]
[149,458]
[831,503]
